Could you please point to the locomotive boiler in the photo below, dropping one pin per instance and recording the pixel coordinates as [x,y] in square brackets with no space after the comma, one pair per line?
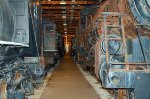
[119,32]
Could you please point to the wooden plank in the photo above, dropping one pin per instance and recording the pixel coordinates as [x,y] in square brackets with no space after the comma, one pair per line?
[68,2]
[59,14]
[62,20]
[62,7]
[60,17]
[59,11]
[68,27]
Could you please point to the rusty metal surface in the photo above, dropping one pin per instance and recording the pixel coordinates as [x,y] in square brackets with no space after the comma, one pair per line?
[110,68]
[120,6]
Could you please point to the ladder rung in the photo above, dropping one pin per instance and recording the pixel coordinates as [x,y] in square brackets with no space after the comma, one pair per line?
[112,26]
[117,39]
[142,25]
[113,13]
[130,63]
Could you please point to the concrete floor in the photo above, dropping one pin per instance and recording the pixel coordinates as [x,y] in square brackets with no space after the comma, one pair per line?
[68,83]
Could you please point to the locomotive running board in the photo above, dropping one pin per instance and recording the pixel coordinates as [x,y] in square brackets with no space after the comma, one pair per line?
[13,44]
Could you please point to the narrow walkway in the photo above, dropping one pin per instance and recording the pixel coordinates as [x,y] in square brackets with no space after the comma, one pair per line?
[68,83]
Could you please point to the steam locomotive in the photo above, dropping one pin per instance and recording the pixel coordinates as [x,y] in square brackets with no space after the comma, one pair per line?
[21,48]
[116,46]
[53,48]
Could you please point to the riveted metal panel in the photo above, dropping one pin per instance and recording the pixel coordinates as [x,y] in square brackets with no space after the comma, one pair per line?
[7,21]
[21,10]
[49,31]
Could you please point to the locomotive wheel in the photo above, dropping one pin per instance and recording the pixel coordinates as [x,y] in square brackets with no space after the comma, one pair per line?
[25,82]
[27,86]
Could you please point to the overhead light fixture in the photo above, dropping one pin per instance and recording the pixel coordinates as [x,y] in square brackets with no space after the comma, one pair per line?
[37,3]
[62,2]
[64,24]
[64,17]
[73,0]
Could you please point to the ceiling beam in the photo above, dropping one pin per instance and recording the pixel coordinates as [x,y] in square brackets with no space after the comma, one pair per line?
[73,34]
[62,27]
[52,13]
[69,24]
[68,27]
[62,20]
[59,18]
[67,31]
[59,15]
[60,11]
[68,35]
[68,2]
[62,7]
[54,10]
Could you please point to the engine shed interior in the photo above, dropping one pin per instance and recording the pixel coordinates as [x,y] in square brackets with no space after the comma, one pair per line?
[74,49]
